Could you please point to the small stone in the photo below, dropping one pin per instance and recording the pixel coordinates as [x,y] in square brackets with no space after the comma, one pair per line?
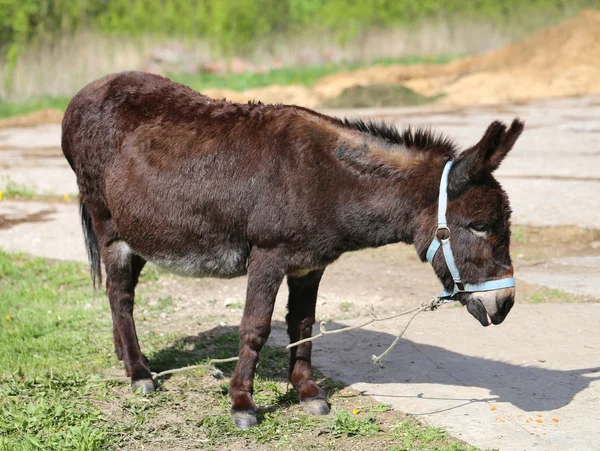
[222,324]
[230,301]
[163,315]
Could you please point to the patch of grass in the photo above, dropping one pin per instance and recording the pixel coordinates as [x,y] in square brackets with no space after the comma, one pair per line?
[519,235]
[53,334]
[13,190]
[164,303]
[55,339]
[410,435]
[381,408]
[345,306]
[52,318]
[8,109]
[377,95]
[306,76]
[150,273]
[346,424]
[550,295]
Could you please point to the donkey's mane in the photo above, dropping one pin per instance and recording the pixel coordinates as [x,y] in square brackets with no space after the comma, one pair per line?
[419,138]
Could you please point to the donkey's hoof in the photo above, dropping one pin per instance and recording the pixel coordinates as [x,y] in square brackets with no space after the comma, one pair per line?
[315,406]
[144,386]
[244,419]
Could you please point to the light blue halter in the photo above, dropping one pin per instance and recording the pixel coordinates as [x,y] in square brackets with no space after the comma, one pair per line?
[444,243]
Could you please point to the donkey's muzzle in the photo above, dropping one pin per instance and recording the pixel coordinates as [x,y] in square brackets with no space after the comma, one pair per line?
[491,307]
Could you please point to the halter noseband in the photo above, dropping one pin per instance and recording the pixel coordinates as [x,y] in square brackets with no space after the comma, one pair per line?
[443,241]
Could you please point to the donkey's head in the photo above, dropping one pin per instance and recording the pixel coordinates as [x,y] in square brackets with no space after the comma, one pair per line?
[477,220]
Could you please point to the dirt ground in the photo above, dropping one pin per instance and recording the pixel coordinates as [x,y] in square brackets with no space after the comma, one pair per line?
[556,157]
[385,280]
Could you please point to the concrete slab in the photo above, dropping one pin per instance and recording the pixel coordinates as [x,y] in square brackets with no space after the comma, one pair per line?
[530,383]
[588,261]
[51,230]
[31,137]
[32,157]
[581,281]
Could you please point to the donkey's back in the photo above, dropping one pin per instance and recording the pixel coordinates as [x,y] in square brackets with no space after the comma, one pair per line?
[191,183]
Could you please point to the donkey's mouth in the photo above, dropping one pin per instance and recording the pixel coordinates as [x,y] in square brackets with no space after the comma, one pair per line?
[475,307]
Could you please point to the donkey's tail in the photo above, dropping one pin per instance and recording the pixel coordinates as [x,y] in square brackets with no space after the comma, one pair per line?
[91,243]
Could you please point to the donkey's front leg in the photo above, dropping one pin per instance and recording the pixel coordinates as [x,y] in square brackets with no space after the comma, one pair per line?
[265,273]
[300,319]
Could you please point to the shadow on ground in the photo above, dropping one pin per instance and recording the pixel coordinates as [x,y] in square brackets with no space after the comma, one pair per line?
[529,388]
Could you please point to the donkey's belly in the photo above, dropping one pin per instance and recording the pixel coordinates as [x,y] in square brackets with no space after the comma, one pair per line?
[196,255]
[222,261]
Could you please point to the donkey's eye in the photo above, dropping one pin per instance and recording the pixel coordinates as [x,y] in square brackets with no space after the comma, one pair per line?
[479,228]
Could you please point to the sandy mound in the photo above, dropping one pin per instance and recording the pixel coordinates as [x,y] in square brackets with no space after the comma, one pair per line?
[48,116]
[560,61]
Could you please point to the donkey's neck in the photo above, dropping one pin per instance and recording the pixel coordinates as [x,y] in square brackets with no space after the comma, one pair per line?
[393,186]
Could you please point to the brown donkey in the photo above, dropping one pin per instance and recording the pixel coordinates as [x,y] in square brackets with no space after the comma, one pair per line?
[206,187]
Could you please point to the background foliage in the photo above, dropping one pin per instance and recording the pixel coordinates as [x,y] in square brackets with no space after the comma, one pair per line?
[236,23]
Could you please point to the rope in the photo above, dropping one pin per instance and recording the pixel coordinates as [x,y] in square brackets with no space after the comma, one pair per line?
[430,305]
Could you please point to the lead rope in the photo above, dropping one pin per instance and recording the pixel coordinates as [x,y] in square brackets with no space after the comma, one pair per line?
[430,305]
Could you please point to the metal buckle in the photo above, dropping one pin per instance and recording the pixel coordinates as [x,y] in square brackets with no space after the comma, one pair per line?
[447,233]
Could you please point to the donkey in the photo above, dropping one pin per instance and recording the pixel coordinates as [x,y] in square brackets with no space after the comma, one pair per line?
[206,187]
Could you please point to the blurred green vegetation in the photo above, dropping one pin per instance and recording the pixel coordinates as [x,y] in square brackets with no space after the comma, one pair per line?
[234,24]
[306,76]
[9,109]
[201,81]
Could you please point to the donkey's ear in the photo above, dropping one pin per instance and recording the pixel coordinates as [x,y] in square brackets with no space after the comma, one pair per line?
[486,155]
[507,143]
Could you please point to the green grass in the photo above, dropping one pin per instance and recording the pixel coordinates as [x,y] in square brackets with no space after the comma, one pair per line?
[410,435]
[201,81]
[9,109]
[52,334]
[551,295]
[10,189]
[306,76]
[55,339]
[351,425]
[519,235]
[345,306]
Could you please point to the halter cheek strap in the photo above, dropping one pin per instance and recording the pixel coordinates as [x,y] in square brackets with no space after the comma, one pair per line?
[444,243]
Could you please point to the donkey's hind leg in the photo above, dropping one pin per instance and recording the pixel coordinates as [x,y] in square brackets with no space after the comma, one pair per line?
[123,269]
[300,319]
